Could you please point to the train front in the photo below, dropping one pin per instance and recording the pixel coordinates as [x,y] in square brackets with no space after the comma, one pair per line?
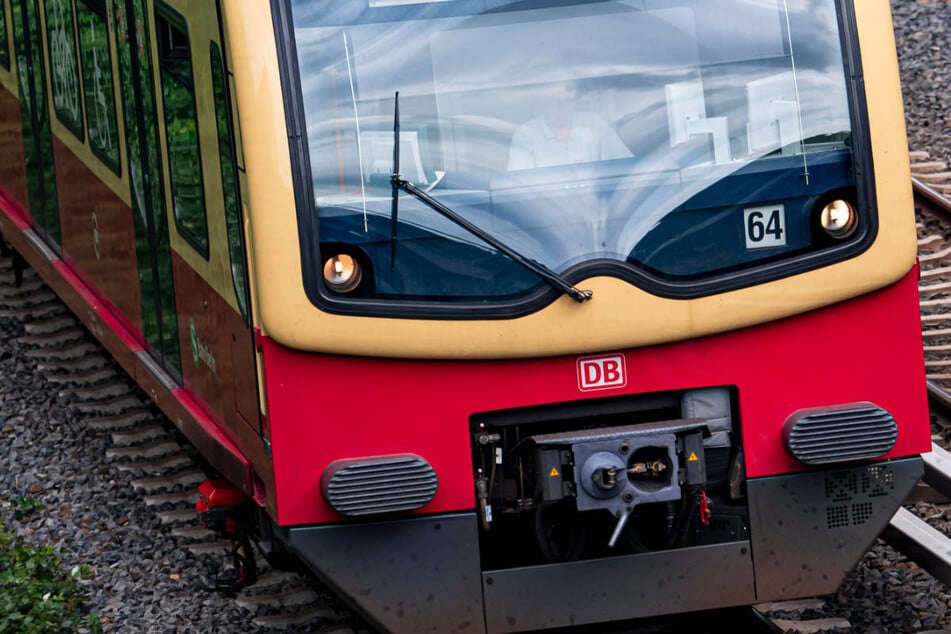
[577,312]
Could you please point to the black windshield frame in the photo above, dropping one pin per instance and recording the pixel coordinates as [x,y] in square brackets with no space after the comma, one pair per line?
[542,294]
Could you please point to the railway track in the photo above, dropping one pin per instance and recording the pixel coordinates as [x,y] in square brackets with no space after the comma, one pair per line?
[914,531]
[910,532]
[165,472]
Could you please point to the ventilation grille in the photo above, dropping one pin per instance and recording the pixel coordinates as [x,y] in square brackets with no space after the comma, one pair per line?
[840,434]
[385,484]
[851,494]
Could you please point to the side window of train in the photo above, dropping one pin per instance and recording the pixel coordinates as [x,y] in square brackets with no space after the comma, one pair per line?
[181,128]
[229,180]
[4,41]
[64,68]
[98,90]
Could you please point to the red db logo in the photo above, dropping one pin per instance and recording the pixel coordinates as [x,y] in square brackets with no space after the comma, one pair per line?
[598,373]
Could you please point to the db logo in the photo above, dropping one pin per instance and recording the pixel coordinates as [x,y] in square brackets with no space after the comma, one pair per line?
[598,373]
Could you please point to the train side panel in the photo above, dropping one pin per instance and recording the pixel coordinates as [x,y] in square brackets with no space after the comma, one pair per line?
[182,330]
[12,168]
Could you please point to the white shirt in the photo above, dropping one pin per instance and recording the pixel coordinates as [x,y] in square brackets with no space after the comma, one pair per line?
[534,144]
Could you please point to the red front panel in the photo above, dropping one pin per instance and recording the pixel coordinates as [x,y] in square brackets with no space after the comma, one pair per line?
[325,408]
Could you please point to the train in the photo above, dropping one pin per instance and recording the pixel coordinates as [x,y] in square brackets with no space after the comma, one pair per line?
[500,315]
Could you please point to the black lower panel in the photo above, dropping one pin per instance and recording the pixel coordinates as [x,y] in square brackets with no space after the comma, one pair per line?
[422,574]
[416,574]
[618,588]
[809,529]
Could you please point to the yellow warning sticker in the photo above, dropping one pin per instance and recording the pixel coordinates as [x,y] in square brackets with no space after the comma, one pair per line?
[692,457]
[553,473]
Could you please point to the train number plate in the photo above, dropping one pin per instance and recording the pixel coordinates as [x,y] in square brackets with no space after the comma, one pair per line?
[765,226]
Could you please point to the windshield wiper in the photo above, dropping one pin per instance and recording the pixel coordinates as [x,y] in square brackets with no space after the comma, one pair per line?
[398,183]
[395,202]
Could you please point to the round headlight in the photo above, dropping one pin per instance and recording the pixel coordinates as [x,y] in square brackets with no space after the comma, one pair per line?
[839,219]
[342,273]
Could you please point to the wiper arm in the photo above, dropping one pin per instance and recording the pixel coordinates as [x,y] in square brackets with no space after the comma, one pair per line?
[539,269]
[395,202]
[399,183]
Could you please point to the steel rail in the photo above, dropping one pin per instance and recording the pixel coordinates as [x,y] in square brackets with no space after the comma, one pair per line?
[907,532]
[931,195]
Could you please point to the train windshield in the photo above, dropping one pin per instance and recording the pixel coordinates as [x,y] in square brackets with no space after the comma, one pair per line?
[666,143]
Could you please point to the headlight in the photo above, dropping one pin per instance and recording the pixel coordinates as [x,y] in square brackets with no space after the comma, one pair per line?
[839,219]
[342,273]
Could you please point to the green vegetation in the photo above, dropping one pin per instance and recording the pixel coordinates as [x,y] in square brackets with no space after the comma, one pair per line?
[37,595]
[26,506]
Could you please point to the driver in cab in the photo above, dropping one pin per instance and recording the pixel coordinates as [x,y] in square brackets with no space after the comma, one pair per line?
[563,134]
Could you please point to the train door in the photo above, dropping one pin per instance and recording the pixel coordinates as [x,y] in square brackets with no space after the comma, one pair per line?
[206,232]
[37,136]
[152,244]
[232,165]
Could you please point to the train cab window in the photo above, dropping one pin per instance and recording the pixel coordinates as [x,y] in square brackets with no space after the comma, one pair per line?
[637,148]
[98,91]
[4,41]
[64,67]
[181,128]
[229,180]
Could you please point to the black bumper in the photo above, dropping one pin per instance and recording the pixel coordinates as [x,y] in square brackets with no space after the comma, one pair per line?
[422,574]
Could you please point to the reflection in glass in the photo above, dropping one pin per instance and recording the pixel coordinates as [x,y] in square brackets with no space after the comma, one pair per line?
[4,42]
[181,134]
[229,182]
[97,82]
[64,71]
[148,200]
[636,143]
[37,136]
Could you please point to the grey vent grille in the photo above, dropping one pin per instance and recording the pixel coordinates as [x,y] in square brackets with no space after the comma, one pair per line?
[840,434]
[384,484]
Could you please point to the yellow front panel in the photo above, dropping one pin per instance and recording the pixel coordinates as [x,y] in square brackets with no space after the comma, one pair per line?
[620,315]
